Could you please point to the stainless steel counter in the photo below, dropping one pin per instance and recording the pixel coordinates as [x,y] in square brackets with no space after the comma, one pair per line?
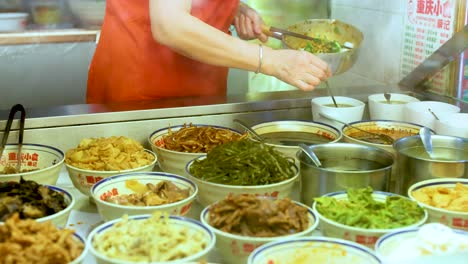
[65,126]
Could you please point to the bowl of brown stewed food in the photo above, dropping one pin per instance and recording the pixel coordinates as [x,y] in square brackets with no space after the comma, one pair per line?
[177,145]
[367,132]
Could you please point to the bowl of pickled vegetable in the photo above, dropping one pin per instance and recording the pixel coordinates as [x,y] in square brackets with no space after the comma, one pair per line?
[242,167]
[175,146]
[363,215]
[143,193]
[244,222]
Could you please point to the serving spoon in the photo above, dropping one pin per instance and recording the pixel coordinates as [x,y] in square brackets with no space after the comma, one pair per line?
[310,154]
[248,128]
[426,139]
[385,138]
[387,96]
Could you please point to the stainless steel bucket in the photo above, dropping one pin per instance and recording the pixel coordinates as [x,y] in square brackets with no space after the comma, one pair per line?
[414,165]
[344,165]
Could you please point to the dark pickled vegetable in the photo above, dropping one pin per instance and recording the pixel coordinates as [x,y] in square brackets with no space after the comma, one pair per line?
[244,162]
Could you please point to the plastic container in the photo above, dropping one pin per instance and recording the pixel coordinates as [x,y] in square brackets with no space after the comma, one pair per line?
[13,22]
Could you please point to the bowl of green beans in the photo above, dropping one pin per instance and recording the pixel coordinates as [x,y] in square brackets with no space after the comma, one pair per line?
[242,167]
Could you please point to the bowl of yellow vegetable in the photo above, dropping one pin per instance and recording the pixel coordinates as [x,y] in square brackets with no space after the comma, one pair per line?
[363,215]
[242,167]
[338,43]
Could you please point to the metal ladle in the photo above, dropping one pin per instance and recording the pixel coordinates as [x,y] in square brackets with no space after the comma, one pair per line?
[385,138]
[426,139]
[248,128]
[310,154]
[331,94]
[387,97]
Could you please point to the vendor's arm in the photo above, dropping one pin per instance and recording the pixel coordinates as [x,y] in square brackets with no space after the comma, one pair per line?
[174,26]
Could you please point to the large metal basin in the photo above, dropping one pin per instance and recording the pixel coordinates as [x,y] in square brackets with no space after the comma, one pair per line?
[345,166]
[331,29]
[414,164]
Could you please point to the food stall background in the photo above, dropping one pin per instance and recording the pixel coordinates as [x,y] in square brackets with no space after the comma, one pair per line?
[51,56]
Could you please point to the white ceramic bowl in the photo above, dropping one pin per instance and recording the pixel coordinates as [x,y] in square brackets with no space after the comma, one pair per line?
[379,125]
[455,124]
[453,219]
[90,12]
[327,134]
[115,185]
[83,180]
[418,113]
[84,253]
[60,219]
[363,236]
[324,104]
[212,192]
[308,250]
[181,222]
[47,161]
[411,246]
[380,109]
[236,248]
[174,161]
[13,22]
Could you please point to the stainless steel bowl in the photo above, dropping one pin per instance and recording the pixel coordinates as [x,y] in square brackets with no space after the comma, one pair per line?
[330,29]
[344,165]
[414,164]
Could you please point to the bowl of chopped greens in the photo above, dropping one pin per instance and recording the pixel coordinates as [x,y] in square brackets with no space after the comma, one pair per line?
[363,215]
[242,167]
[337,43]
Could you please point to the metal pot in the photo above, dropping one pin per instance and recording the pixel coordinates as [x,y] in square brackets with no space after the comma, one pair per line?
[344,166]
[451,159]
[331,29]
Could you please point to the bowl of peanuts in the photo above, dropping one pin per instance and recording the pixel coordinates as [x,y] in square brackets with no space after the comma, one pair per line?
[95,159]
[177,145]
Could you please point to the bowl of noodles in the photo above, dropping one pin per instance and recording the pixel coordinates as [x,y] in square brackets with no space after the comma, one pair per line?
[177,145]
[338,45]
[155,238]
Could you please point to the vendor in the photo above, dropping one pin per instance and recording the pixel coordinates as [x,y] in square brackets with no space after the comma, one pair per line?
[160,49]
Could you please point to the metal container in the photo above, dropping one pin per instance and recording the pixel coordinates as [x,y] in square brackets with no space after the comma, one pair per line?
[450,160]
[344,165]
[330,29]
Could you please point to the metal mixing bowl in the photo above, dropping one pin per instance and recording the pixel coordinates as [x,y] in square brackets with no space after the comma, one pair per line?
[330,29]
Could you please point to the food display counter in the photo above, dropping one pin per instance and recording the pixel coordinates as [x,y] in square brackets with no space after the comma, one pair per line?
[63,127]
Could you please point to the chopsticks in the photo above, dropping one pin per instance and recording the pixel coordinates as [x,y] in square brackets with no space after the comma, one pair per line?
[14,109]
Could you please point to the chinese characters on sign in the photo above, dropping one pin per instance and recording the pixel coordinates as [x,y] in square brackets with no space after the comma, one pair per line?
[428,25]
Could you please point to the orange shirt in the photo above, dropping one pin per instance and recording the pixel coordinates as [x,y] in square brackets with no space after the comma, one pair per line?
[130,65]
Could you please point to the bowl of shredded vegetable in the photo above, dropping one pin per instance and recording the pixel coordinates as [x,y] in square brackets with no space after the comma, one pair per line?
[338,43]
[242,167]
[363,215]
[175,146]
[243,222]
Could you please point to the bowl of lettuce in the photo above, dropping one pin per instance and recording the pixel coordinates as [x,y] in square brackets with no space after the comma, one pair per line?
[363,215]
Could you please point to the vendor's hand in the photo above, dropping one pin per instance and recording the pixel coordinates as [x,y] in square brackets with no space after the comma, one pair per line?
[298,68]
[248,24]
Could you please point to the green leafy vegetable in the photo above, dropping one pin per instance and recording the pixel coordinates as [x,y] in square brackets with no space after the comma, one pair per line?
[244,162]
[323,46]
[361,210]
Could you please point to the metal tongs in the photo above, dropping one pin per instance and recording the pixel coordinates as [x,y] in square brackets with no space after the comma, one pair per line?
[14,109]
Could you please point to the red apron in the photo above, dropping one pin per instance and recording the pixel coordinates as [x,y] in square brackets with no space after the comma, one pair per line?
[130,65]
